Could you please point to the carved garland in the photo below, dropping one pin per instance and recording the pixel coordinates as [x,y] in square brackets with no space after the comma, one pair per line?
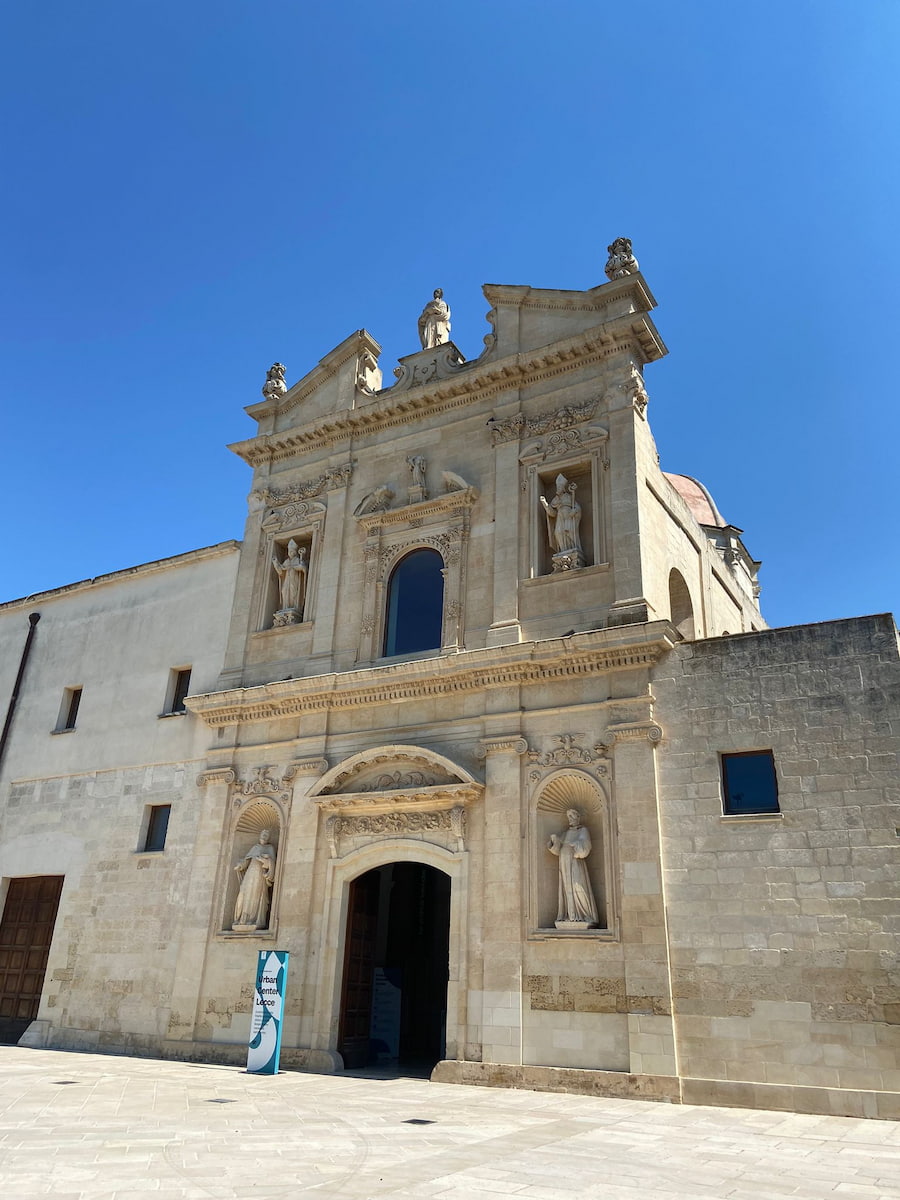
[331,478]
[556,420]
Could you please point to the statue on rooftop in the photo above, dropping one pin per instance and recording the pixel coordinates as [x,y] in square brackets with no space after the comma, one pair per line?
[434,323]
[621,261]
[274,387]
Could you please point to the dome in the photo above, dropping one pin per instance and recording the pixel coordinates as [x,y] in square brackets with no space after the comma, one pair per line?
[697,498]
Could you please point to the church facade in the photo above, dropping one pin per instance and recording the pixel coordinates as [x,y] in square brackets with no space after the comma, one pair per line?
[481,721]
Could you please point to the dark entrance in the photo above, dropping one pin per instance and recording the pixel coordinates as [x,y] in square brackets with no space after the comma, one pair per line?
[25,932]
[394,997]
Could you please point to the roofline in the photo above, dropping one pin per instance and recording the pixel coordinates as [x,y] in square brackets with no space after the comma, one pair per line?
[160,564]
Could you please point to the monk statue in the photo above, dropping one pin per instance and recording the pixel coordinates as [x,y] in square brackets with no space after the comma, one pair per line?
[576,897]
[256,871]
[292,574]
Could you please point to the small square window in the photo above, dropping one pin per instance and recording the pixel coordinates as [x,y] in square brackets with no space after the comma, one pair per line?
[68,709]
[749,784]
[157,826]
[179,686]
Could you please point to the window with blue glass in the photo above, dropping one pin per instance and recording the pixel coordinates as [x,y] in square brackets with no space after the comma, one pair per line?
[415,604]
[749,785]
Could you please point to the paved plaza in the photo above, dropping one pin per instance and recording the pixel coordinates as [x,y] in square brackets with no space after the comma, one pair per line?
[78,1126]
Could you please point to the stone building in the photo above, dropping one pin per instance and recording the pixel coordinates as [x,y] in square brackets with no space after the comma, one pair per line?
[545,800]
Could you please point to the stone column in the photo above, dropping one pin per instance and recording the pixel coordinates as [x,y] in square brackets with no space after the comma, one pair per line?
[644,931]
[328,575]
[502,901]
[187,978]
[505,627]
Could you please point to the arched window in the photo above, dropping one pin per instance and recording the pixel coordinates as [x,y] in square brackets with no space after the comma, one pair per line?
[415,604]
[680,605]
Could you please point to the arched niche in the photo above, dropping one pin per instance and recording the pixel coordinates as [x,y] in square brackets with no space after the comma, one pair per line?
[555,796]
[255,815]
[680,606]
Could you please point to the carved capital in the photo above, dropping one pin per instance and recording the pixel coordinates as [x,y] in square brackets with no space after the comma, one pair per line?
[216,775]
[305,766]
[637,732]
[501,745]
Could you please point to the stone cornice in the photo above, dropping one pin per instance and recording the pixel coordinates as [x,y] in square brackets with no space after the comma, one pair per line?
[634,287]
[486,380]
[520,664]
[445,504]
[425,799]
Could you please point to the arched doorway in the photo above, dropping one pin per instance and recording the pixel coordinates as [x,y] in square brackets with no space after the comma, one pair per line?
[396,956]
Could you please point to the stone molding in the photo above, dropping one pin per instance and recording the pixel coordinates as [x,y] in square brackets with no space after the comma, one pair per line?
[518,664]
[306,766]
[422,799]
[632,332]
[567,754]
[448,505]
[636,732]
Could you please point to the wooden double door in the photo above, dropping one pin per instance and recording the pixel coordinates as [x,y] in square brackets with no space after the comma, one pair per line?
[398,921]
[26,930]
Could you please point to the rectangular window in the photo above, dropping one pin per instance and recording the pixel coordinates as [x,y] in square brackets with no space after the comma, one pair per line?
[157,826]
[68,710]
[180,690]
[179,686]
[749,785]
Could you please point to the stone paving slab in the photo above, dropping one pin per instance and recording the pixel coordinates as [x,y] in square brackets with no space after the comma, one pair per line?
[93,1127]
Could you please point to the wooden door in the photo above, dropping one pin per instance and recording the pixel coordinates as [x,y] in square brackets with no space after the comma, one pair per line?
[25,932]
[359,961]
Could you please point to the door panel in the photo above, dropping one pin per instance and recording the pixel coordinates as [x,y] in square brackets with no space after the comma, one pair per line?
[26,930]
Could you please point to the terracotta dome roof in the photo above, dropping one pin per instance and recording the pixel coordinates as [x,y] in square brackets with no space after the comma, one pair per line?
[699,501]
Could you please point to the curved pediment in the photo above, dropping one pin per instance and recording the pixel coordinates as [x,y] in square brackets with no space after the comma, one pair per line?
[396,779]
[390,769]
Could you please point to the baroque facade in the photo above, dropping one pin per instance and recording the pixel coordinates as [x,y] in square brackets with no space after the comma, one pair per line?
[481,721]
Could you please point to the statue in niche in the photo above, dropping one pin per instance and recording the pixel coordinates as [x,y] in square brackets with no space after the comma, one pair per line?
[577,908]
[416,464]
[291,574]
[621,261]
[256,871]
[434,323]
[274,387]
[563,519]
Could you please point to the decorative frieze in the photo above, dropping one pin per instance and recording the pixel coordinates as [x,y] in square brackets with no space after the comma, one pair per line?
[557,419]
[450,821]
[568,753]
[329,480]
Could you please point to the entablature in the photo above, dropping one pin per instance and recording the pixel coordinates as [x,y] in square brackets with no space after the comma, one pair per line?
[599,652]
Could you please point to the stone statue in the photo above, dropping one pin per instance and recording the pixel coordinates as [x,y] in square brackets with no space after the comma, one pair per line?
[416,464]
[434,323]
[621,261]
[577,907]
[291,574]
[256,871]
[274,387]
[563,519]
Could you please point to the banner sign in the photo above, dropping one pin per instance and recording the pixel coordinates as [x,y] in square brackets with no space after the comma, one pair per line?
[268,1006]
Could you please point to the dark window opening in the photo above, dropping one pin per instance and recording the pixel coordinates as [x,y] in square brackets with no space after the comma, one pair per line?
[70,706]
[415,604]
[157,827]
[749,783]
[182,683]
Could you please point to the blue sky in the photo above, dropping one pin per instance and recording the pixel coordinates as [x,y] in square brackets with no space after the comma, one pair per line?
[197,189]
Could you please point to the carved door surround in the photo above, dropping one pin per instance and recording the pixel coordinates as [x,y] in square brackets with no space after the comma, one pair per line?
[395,792]
[441,523]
